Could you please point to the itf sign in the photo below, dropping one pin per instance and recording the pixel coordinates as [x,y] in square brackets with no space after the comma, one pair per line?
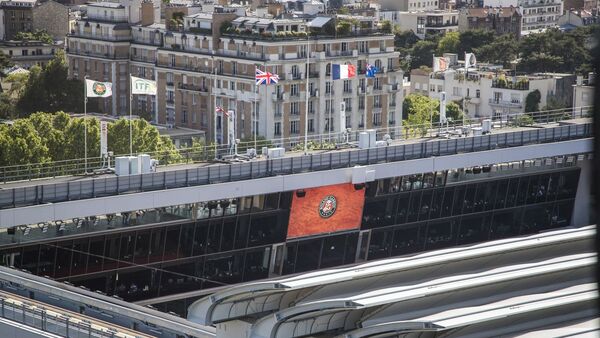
[142,86]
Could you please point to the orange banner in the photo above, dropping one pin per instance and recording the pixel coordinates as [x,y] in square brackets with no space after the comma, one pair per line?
[325,209]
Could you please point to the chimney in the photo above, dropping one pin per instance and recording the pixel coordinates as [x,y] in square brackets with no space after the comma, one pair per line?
[147,13]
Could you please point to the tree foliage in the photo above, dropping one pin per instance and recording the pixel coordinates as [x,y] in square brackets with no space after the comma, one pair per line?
[421,111]
[549,51]
[38,35]
[44,137]
[449,43]
[532,101]
[50,90]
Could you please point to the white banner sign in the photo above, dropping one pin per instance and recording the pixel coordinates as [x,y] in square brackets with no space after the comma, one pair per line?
[103,138]
[142,86]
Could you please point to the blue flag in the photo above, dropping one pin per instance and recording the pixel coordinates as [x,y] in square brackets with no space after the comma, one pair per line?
[371,70]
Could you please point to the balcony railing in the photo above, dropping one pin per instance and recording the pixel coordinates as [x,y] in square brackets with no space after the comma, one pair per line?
[76,34]
[105,55]
[190,87]
[506,103]
[519,85]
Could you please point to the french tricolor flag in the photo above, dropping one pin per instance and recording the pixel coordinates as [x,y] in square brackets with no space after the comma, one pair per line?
[343,71]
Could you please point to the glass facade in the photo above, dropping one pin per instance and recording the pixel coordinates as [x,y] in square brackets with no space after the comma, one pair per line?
[154,253]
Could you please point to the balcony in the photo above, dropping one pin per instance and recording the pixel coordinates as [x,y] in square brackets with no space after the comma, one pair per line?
[143,59]
[278,96]
[99,37]
[334,53]
[519,85]
[502,103]
[106,55]
[170,102]
[193,88]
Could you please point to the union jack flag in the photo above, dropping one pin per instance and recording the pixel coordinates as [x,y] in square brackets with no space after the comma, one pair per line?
[265,77]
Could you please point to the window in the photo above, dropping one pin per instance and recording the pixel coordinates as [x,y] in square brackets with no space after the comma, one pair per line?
[328,89]
[172,60]
[362,46]
[377,118]
[377,84]
[329,124]
[311,125]
[294,90]
[184,117]
[377,101]
[294,108]
[294,127]
[233,67]
[348,104]
[344,46]
[347,86]
[277,128]
[169,79]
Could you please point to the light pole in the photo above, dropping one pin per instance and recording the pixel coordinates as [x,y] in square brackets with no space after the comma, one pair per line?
[85,100]
[307,94]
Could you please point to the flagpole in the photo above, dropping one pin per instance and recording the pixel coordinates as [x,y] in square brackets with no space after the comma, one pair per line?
[254,113]
[330,102]
[307,94]
[213,71]
[130,118]
[85,100]
[365,107]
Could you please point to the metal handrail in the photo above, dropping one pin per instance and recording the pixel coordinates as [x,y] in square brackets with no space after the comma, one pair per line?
[27,172]
[203,175]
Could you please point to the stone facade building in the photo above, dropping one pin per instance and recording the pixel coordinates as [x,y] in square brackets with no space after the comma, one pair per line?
[199,68]
[51,17]
[502,20]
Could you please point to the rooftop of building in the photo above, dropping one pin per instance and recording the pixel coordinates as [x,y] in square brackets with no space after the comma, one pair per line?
[497,11]
[105,4]
[21,43]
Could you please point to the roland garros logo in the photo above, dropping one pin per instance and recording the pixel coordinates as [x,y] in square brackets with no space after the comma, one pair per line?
[99,88]
[327,206]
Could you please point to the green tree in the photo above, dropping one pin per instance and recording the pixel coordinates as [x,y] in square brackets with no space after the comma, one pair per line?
[22,144]
[472,39]
[5,61]
[343,27]
[419,111]
[405,39]
[386,26]
[449,43]
[50,90]
[38,35]
[502,50]
[146,139]
[532,101]
[422,54]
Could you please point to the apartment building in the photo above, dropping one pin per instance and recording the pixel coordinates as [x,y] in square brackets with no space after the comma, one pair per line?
[408,5]
[494,92]
[199,68]
[30,15]
[29,53]
[98,47]
[424,23]
[501,20]
[583,91]
[537,15]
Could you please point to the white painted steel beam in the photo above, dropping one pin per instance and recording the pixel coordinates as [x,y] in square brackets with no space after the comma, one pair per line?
[163,198]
